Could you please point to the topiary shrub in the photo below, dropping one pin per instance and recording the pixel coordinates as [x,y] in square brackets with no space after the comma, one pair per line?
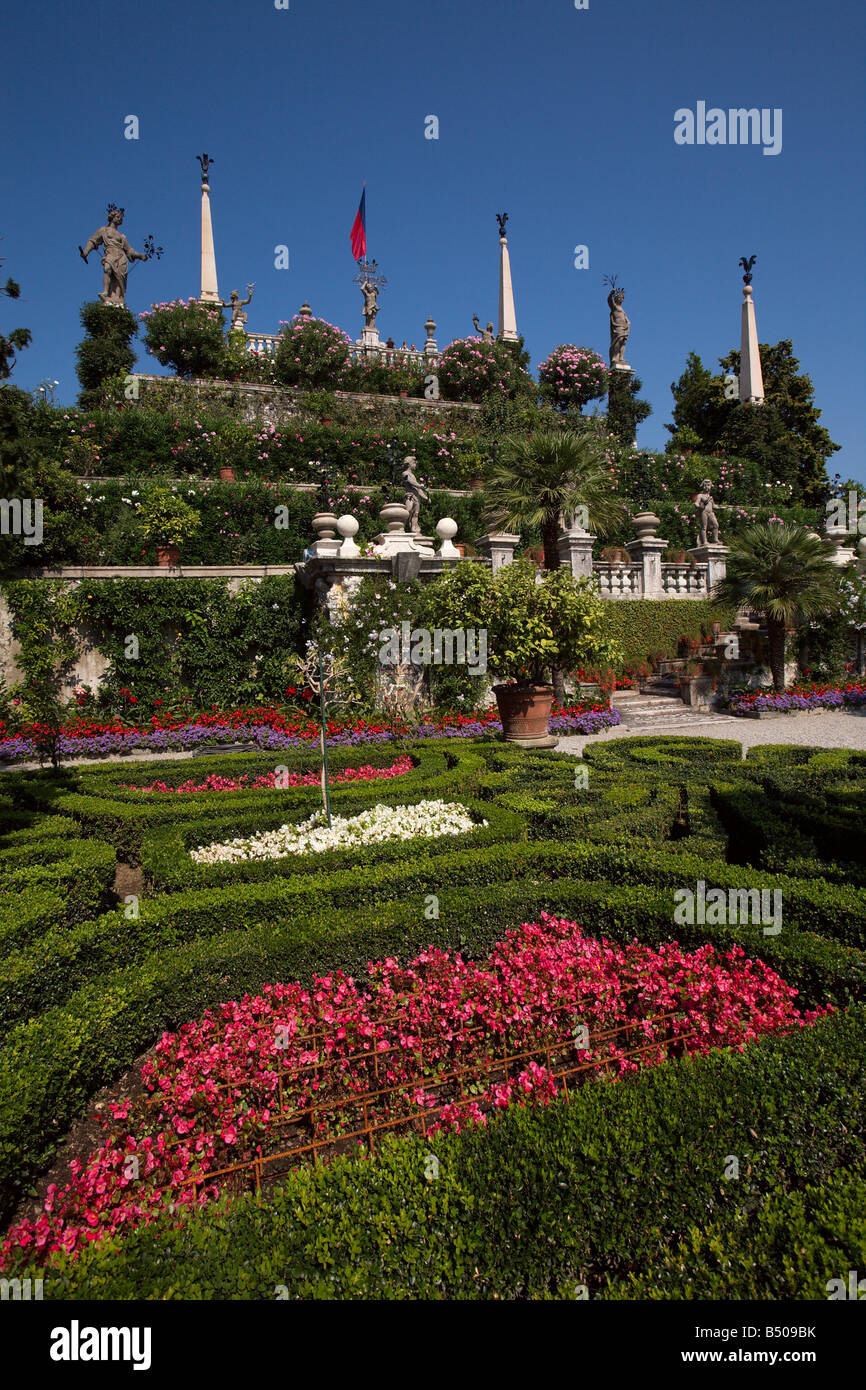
[572,376]
[105,352]
[470,370]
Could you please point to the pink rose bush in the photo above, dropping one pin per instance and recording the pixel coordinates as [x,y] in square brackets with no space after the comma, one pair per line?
[279,781]
[220,1090]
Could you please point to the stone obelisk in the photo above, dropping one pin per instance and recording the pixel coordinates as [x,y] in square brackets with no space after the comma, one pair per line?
[751,376]
[507,318]
[209,289]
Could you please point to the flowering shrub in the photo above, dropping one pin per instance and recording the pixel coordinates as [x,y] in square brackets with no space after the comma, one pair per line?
[278,780]
[311,352]
[572,376]
[186,335]
[802,698]
[217,1088]
[470,369]
[428,820]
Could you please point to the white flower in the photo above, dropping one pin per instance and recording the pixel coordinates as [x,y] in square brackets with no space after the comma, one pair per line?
[427,820]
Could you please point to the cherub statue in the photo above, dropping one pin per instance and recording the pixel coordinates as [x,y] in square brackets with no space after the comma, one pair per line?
[235,303]
[706,514]
[416,493]
[117,255]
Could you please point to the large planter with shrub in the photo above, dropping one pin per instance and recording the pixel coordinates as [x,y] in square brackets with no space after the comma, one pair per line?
[525,714]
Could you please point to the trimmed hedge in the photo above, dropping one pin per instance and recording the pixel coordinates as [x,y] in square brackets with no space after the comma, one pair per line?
[655,625]
[584,1194]
[791,1246]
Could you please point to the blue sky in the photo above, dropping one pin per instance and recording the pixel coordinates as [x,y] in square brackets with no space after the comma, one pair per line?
[562,117]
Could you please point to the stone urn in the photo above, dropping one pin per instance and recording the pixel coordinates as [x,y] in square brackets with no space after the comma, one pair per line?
[395,516]
[525,714]
[325,526]
[646,525]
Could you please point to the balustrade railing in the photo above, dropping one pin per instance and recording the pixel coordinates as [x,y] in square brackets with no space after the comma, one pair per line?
[618,581]
[680,580]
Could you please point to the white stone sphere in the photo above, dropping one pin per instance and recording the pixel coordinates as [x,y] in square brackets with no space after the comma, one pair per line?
[861,546]
[446,528]
[347,526]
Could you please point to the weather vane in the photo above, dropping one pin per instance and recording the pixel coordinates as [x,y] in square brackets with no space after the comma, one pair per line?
[205,161]
[502,218]
[747,267]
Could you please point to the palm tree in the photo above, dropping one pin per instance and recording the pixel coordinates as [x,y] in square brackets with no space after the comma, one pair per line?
[784,572]
[545,475]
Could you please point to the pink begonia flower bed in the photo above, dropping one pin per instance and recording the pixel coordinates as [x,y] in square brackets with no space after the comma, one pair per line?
[215,1080]
[279,781]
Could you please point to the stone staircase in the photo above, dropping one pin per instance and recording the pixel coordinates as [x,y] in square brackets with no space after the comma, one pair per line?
[656,708]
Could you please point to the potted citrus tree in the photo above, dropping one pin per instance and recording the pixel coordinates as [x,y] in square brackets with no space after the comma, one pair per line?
[534,621]
[167,520]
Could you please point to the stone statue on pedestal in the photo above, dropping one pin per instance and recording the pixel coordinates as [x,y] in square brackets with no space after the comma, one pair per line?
[486,333]
[115,261]
[235,303]
[415,494]
[706,514]
[620,326]
[371,308]
[205,161]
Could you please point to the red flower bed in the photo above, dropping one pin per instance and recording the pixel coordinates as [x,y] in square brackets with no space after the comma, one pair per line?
[218,1085]
[279,780]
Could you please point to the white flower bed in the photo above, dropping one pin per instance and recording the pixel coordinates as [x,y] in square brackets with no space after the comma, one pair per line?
[427,820]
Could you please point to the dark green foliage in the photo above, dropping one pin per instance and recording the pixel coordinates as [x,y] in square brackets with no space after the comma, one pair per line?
[645,626]
[106,352]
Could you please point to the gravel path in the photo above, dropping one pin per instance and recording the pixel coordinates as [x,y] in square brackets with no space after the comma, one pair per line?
[812,729]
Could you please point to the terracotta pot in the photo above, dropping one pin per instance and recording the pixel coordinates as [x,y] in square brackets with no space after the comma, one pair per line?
[524,711]
[476,484]
[326,421]
[404,393]
[167,555]
[227,473]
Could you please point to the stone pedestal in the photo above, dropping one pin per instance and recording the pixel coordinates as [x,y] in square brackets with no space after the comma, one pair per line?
[715,559]
[647,552]
[844,554]
[498,547]
[369,339]
[575,551]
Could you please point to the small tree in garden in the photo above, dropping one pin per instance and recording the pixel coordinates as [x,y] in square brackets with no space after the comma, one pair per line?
[470,370]
[106,352]
[18,338]
[311,352]
[784,572]
[186,335]
[166,518]
[572,376]
[328,677]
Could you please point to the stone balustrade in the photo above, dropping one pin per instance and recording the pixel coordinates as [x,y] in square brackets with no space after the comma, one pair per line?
[684,581]
[618,581]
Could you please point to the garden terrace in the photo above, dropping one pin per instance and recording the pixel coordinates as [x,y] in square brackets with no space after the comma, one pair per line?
[87,989]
